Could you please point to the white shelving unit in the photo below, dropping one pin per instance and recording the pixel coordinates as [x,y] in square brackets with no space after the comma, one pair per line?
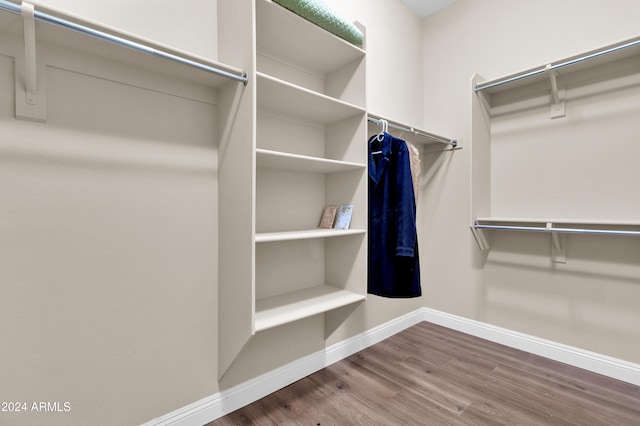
[331,122]
[535,111]
[309,151]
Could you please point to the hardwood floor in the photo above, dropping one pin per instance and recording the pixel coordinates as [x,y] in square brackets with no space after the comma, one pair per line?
[431,375]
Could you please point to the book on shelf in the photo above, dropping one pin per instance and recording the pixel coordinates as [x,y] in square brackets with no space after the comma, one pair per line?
[328,217]
[343,216]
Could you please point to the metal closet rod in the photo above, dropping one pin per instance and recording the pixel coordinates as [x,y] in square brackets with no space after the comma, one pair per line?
[551,67]
[50,19]
[434,138]
[557,230]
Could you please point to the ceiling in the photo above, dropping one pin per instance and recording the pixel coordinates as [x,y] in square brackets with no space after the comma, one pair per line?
[424,8]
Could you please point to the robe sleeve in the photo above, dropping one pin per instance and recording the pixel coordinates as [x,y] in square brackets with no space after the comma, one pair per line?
[405,205]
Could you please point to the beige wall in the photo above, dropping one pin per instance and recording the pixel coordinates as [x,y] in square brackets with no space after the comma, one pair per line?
[394,61]
[591,301]
[109,252]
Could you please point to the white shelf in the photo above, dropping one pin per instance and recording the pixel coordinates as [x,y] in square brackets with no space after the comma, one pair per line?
[289,307]
[559,226]
[291,38]
[557,221]
[302,163]
[558,229]
[288,99]
[573,65]
[11,24]
[266,237]
[608,69]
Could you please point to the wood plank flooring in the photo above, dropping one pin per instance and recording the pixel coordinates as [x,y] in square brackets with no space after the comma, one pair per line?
[431,375]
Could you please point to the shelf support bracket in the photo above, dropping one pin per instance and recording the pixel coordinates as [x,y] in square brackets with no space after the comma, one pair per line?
[29,106]
[557,109]
[480,237]
[558,245]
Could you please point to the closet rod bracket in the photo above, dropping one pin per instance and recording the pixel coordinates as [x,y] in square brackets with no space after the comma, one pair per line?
[30,94]
[557,108]
[27,11]
[558,245]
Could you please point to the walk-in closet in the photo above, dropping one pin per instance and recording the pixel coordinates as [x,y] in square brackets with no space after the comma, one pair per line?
[287,211]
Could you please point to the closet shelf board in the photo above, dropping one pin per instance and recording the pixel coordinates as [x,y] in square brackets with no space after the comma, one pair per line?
[285,308]
[302,163]
[266,237]
[279,35]
[53,35]
[555,221]
[289,99]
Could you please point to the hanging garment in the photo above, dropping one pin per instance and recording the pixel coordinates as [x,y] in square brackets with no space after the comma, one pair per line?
[394,269]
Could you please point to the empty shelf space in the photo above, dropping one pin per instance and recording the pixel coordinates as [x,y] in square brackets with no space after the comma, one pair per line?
[266,237]
[285,98]
[285,308]
[288,37]
[302,163]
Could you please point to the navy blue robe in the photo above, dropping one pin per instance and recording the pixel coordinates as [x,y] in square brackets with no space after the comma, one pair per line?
[394,268]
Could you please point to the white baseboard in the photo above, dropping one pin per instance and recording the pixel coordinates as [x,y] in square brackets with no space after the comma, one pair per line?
[224,402]
[591,361]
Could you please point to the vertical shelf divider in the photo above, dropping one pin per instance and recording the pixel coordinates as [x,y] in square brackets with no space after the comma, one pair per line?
[236,174]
